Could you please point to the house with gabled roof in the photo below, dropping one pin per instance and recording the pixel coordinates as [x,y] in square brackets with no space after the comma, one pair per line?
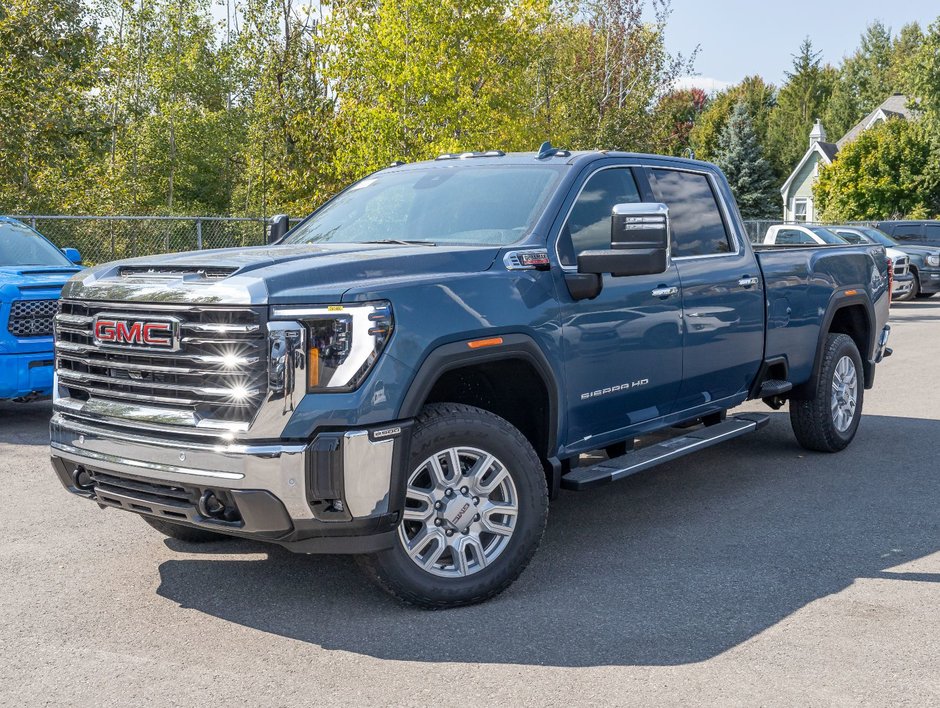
[797,191]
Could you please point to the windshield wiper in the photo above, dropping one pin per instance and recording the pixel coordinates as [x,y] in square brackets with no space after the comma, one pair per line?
[400,242]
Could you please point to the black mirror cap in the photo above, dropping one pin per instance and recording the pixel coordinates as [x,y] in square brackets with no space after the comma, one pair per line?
[639,226]
[621,262]
[280,225]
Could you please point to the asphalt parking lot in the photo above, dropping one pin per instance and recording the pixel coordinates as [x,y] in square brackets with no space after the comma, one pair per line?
[751,574]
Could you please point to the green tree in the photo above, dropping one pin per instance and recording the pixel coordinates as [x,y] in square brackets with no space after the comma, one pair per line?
[610,67]
[51,135]
[885,173]
[907,46]
[759,98]
[413,79]
[866,78]
[288,161]
[749,174]
[801,100]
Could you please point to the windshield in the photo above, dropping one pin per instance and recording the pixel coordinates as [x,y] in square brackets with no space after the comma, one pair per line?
[827,236]
[879,237]
[20,246]
[481,206]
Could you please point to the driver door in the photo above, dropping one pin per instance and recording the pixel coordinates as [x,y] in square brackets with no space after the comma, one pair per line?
[623,349]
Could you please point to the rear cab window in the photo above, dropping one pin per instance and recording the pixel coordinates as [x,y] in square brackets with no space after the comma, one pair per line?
[695,218]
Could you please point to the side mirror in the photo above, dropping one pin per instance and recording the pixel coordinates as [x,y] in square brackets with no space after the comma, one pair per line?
[280,225]
[73,255]
[639,242]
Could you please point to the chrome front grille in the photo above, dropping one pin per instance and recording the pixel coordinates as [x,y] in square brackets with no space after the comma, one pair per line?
[31,318]
[902,266]
[217,378]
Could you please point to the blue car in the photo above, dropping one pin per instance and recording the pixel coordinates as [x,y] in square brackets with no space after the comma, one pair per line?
[32,273]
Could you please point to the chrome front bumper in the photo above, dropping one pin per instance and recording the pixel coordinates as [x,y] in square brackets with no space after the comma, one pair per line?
[341,484]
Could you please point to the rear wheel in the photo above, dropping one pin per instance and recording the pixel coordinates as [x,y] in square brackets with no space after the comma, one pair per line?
[828,421]
[476,504]
[187,534]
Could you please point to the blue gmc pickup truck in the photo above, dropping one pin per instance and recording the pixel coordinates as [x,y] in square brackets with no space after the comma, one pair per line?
[413,371]
[32,273]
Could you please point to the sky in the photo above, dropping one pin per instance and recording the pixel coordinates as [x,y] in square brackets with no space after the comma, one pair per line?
[738,38]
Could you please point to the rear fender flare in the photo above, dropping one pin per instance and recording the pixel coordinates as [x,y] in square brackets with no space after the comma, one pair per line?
[840,301]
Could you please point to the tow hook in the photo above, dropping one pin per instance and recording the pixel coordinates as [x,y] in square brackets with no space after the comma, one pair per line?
[211,506]
[82,480]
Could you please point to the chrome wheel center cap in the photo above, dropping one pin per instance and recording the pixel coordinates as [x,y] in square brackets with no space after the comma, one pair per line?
[459,513]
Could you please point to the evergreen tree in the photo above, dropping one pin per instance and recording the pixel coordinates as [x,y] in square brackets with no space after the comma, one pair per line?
[801,100]
[757,95]
[866,79]
[749,174]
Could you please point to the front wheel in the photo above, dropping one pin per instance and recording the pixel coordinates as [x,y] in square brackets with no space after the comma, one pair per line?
[828,421]
[476,504]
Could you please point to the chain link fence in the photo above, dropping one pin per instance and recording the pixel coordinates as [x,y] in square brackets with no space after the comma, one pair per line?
[107,238]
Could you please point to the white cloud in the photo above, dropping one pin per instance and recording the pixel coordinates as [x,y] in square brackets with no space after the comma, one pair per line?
[706,83]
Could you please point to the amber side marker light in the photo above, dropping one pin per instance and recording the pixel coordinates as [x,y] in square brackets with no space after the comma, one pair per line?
[851,292]
[313,368]
[480,343]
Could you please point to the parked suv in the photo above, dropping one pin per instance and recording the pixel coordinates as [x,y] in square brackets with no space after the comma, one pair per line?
[419,365]
[32,273]
[921,240]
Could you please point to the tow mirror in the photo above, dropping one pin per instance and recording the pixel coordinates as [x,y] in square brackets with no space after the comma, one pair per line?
[639,242]
[73,255]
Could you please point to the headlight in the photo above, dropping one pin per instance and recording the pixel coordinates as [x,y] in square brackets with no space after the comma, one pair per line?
[934,260]
[343,343]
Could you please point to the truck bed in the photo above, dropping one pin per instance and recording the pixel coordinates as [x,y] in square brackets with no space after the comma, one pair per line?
[799,283]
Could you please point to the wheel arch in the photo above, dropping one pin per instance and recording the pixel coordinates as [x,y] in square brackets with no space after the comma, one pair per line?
[854,316]
[511,379]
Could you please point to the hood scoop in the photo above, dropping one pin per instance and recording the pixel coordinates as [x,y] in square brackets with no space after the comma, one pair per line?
[175,272]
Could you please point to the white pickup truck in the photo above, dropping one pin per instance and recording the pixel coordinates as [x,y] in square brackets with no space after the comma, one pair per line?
[798,235]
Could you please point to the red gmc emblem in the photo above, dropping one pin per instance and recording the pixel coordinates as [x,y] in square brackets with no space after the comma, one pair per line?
[115,331]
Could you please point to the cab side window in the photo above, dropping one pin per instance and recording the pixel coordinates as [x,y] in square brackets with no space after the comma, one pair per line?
[791,237]
[588,225]
[908,232]
[694,216]
[932,234]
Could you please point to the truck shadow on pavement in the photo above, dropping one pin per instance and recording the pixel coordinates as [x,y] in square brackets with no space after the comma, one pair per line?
[669,567]
[25,423]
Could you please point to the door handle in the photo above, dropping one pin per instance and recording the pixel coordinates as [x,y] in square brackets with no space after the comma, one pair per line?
[748,282]
[665,292]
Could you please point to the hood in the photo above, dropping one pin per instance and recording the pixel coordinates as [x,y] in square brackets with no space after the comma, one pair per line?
[309,273]
[919,250]
[894,253]
[26,278]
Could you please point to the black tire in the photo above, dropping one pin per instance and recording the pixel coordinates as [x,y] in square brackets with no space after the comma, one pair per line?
[437,428]
[812,419]
[187,534]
